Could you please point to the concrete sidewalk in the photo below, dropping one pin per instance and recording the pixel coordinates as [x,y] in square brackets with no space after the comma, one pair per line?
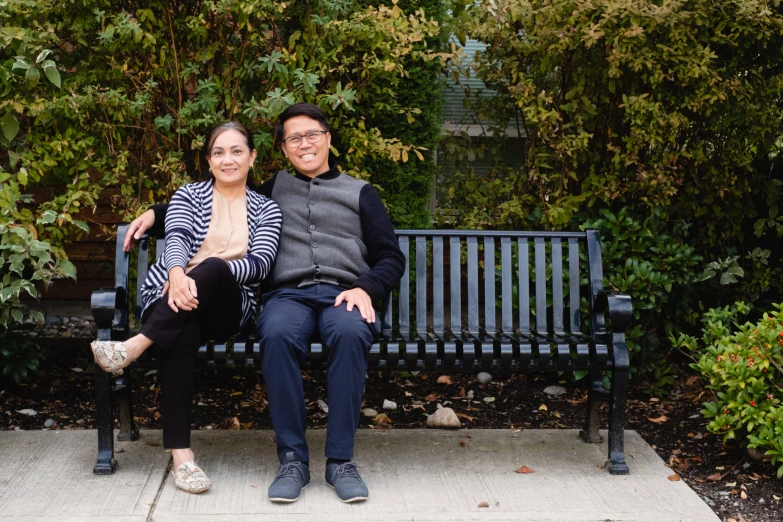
[421,475]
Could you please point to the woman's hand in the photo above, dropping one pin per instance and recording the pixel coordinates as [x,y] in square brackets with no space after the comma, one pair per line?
[137,228]
[182,290]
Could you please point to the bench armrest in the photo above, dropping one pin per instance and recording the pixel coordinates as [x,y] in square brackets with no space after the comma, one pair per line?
[109,308]
[618,307]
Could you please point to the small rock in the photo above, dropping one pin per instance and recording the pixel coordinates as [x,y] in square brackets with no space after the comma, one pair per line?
[762,501]
[723,493]
[484,378]
[49,423]
[708,501]
[444,418]
[324,407]
[28,412]
[389,405]
[470,394]
[74,319]
[483,504]
[119,450]
[66,334]
[53,320]
[554,390]
[80,422]
[369,412]
[65,320]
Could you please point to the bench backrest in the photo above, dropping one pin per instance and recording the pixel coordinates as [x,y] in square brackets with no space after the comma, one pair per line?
[473,284]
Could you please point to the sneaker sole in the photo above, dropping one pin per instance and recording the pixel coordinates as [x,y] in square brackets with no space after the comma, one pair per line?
[288,500]
[349,500]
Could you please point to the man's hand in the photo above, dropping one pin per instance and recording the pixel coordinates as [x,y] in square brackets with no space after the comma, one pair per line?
[137,228]
[182,290]
[358,298]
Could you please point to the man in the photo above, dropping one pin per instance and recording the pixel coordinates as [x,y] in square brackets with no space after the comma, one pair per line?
[337,255]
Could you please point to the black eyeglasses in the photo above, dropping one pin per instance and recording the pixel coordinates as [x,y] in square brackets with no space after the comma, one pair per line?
[312,137]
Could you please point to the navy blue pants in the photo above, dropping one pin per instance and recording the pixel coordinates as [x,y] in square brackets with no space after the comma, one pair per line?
[290,319]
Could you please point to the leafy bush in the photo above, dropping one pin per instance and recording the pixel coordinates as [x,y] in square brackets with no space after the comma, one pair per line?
[133,88]
[25,261]
[743,365]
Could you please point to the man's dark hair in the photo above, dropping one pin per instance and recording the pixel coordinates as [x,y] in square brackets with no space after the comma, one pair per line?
[313,112]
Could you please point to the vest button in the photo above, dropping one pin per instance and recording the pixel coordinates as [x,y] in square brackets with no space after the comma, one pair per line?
[312,227]
[315,245]
[312,202]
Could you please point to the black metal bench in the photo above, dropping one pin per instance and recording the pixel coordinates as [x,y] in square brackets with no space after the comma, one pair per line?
[475,302]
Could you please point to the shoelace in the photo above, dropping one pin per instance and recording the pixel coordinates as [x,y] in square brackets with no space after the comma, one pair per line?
[289,470]
[347,470]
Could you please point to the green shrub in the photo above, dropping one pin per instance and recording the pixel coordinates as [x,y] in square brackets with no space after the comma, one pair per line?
[743,365]
[25,261]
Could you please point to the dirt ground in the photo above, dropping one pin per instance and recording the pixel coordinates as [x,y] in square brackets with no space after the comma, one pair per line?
[735,486]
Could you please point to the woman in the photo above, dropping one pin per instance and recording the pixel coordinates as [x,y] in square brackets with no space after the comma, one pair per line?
[221,240]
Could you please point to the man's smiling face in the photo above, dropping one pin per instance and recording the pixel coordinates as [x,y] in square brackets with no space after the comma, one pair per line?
[311,159]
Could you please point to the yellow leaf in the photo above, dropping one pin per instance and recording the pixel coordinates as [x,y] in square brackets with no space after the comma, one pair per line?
[543,407]
[421,158]
[404,156]
[674,478]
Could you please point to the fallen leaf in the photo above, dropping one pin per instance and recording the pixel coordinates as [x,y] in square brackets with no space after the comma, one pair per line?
[776,497]
[658,420]
[715,477]
[234,394]
[154,443]
[381,419]
[525,470]
[653,399]
[157,415]
[77,370]
[674,478]
[462,443]
[246,425]
[466,417]
[462,393]
[483,504]
[234,425]
[29,412]
[577,401]
[432,397]
[489,399]
[444,379]
[542,407]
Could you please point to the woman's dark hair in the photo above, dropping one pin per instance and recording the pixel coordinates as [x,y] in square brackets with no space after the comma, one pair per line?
[219,129]
[314,112]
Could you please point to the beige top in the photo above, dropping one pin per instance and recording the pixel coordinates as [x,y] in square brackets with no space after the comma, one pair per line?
[227,235]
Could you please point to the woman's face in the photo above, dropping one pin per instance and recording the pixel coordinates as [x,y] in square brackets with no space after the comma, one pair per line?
[230,159]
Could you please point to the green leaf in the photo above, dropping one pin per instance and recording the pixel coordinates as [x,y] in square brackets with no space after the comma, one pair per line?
[9,125]
[51,72]
[48,217]
[17,315]
[81,224]
[42,55]
[68,269]
[32,75]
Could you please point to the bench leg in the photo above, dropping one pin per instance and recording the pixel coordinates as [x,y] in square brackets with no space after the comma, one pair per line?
[617,464]
[124,393]
[106,465]
[593,418]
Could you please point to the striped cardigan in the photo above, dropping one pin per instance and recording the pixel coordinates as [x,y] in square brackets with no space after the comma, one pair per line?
[187,222]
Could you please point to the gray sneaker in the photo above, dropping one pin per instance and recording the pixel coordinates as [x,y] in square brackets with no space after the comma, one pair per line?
[344,479]
[292,477]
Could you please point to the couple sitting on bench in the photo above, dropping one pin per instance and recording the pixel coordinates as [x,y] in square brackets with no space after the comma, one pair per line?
[331,250]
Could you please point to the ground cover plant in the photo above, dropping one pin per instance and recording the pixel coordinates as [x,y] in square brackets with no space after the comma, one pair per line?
[743,366]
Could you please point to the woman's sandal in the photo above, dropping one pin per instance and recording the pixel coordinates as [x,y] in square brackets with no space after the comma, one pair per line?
[110,355]
[189,477]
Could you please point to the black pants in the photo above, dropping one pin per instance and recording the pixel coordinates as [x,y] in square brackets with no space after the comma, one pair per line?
[178,336]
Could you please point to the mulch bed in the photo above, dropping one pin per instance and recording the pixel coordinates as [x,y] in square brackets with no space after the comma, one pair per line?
[735,486]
